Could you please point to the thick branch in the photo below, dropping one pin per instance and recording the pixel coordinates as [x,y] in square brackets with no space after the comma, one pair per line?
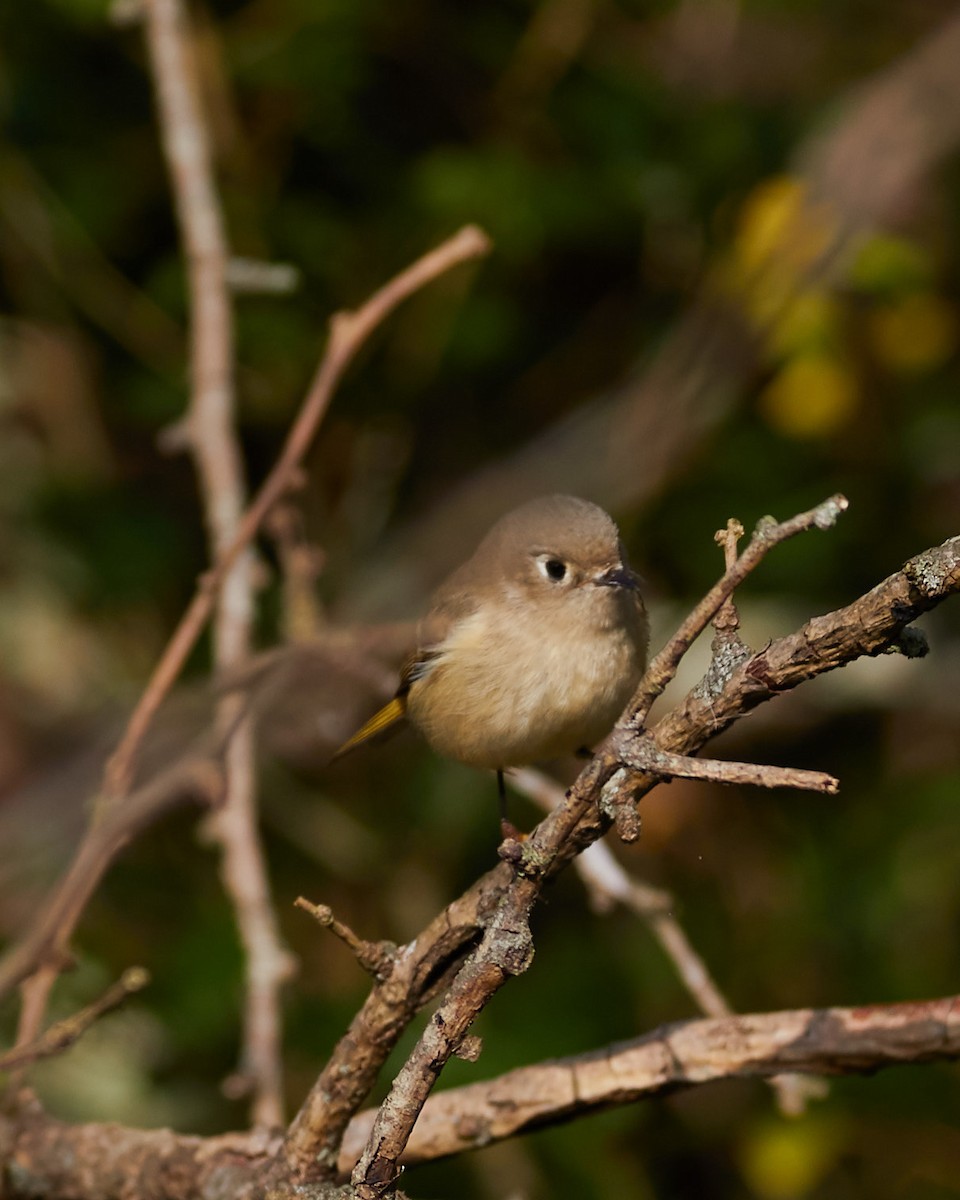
[45,1157]
[820,1041]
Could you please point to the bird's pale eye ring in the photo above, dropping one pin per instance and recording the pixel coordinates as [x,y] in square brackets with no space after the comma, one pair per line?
[554,569]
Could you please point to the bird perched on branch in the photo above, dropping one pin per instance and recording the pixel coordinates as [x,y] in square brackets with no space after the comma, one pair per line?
[531,649]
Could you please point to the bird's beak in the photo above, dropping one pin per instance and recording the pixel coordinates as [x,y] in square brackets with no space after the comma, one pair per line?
[618,577]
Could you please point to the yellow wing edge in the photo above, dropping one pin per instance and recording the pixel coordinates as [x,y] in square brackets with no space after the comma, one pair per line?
[380,722]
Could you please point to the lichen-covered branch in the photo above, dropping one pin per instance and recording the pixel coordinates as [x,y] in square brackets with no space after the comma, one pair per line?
[871,625]
[41,1156]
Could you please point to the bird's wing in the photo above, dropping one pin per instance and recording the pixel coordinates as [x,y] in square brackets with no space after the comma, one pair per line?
[450,606]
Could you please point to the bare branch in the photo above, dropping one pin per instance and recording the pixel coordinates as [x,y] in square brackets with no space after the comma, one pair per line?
[348,332]
[769,533]
[62,1034]
[211,437]
[644,755]
[824,1041]
[198,779]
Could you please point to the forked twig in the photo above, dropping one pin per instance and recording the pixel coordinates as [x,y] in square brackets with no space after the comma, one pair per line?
[608,883]
[62,1034]
[348,332]
[768,533]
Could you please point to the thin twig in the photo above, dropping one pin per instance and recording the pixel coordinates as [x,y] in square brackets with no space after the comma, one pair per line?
[300,564]
[608,883]
[376,958]
[46,944]
[211,436]
[419,972]
[348,332]
[62,1034]
[768,534]
[645,755]
[727,620]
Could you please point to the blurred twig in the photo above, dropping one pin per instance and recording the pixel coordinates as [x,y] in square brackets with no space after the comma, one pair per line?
[348,332]
[192,777]
[62,1034]
[608,884]
[209,431]
[300,565]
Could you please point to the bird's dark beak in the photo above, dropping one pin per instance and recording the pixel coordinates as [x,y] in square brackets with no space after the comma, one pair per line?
[618,577]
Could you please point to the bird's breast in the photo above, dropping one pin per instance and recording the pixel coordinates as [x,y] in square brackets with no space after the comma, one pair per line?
[518,686]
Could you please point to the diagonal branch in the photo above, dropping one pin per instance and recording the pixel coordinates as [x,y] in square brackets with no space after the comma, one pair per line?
[348,332]
[871,625]
[608,884]
[62,1034]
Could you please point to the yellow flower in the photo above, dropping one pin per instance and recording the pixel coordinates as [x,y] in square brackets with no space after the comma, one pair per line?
[915,333]
[813,395]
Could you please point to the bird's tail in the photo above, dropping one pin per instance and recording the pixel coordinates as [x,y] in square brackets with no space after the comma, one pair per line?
[383,721]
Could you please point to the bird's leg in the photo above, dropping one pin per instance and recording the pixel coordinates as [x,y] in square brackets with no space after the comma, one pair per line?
[507,827]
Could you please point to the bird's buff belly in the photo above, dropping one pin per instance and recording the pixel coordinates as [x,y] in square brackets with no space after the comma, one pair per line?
[529,712]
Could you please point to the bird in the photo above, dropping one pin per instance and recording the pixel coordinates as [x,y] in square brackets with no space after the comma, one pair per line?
[531,649]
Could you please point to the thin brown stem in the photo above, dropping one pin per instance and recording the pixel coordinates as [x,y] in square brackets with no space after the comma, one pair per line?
[62,1034]
[199,779]
[769,533]
[727,620]
[210,434]
[376,958]
[644,755]
[348,332]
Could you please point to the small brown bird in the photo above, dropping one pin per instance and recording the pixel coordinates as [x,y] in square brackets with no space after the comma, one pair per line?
[531,649]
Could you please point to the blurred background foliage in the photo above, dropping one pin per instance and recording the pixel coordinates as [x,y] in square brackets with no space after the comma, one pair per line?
[626,158]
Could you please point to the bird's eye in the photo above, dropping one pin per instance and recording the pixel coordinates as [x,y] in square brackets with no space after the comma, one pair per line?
[553,568]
